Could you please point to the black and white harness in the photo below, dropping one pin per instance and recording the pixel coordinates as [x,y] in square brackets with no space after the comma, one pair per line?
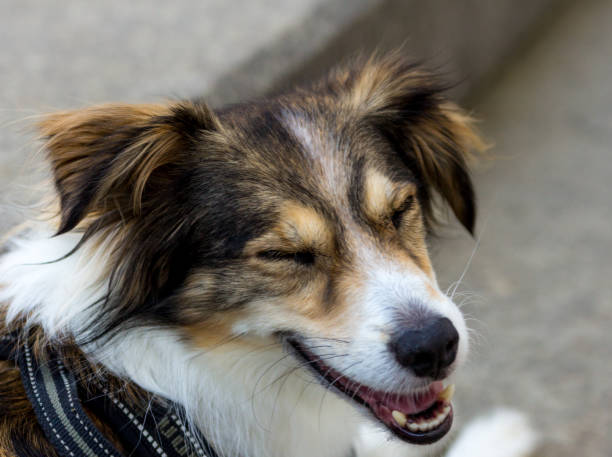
[155,430]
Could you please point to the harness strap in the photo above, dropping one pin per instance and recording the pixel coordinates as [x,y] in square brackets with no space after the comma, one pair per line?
[52,392]
[154,431]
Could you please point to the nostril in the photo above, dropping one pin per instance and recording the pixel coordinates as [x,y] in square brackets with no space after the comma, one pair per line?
[422,359]
[450,352]
[451,348]
[428,349]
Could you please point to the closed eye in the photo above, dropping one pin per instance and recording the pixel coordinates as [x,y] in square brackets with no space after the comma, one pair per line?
[396,217]
[299,257]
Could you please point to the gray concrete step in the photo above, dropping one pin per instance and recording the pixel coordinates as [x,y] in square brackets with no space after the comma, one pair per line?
[71,53]
[542,275]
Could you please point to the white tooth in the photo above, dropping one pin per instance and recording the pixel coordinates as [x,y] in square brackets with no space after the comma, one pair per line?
[447,393]
[443,414]
[399,417]
[424,425]
[413,427]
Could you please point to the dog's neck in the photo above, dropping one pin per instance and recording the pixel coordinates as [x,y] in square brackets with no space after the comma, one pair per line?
[248,400]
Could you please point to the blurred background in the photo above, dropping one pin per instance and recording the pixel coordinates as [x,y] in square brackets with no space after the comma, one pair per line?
[537,73]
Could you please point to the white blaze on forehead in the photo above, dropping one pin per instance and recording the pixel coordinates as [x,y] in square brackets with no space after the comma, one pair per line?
[331,170]
[326,153]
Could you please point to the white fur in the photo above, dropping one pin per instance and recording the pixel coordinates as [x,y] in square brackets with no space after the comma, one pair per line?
[247,399]
[375,442]
[51,292]
[502,433]
[387,291]
[238,396]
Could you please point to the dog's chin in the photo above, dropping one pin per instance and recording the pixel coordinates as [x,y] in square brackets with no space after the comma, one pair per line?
[420,417]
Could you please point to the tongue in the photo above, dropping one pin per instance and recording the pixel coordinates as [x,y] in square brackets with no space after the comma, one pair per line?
[407,404]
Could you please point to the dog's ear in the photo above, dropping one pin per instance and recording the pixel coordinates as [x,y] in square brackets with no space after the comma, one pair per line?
[106,159]
[433,136]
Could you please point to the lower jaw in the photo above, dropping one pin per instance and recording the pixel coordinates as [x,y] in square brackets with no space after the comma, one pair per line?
[441,410]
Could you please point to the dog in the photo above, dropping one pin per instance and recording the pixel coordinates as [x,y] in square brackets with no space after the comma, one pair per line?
[264,266]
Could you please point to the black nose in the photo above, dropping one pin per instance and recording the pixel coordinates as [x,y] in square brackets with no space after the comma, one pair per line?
[428,349]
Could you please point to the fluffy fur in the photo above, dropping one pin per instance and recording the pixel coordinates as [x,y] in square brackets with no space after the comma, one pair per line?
[192,245]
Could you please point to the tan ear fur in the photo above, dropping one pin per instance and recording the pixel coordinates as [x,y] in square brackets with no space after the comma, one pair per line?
[406,104]
[444,147]
[379,83]
[104,156]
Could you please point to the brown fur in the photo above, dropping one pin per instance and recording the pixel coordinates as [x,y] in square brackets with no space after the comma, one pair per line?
[209,216]
[18,424]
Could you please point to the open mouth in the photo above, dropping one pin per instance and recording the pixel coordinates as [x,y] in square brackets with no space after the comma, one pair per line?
[421,417]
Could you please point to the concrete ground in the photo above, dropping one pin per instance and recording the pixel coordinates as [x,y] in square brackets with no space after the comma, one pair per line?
[541,279]
[65,54]
[56,55]
[539,287]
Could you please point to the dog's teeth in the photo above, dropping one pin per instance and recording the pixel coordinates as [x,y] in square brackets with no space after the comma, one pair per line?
[447,393]
[399,417]
[426,425]
[414,427]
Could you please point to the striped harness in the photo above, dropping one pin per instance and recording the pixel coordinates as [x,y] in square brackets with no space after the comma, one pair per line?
[156,430]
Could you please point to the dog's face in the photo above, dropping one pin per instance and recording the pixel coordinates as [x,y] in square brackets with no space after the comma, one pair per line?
[301,219]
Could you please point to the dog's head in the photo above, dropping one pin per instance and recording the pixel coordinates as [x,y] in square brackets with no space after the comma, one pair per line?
[302,218]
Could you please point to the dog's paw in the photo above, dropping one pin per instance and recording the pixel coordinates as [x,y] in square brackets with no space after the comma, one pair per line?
[502,433]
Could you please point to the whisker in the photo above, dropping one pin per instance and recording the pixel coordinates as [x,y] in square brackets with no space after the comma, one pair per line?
[330,385]
[285,375]
[471,258]
[339,340]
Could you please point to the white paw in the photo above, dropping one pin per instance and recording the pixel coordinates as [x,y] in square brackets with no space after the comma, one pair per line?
[502,433]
